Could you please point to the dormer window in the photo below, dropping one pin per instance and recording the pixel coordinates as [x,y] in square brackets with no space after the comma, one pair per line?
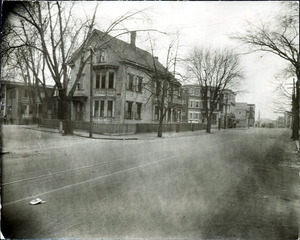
[101,56]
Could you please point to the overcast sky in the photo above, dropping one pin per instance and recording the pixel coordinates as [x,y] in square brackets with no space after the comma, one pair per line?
[203,24]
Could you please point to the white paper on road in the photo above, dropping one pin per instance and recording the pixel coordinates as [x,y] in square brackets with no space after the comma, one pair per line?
[36,201]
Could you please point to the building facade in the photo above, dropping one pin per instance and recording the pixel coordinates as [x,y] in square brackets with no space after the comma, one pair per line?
[245,114]
[227,109]
[251,114]
[20,104]
[194,110]
[193,104]
[123,90]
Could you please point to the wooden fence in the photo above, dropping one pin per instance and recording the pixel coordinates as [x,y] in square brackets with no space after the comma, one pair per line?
[104,128]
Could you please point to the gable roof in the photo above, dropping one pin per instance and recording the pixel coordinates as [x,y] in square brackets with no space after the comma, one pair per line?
[127,52]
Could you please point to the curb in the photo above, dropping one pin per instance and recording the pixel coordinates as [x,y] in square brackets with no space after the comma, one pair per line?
[297,145]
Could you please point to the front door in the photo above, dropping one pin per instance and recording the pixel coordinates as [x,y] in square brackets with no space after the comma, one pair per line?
[78,111]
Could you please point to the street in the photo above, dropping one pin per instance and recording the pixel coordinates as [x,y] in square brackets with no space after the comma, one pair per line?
[233,184]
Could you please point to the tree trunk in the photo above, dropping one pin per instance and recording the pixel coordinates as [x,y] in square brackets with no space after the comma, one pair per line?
[160,123]
[159,131]
[208,125]
[295,112]
[67,126]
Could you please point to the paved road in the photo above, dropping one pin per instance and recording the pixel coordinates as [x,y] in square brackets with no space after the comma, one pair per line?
[234,184]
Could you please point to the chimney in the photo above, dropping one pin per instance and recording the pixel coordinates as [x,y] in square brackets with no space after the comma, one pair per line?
[132,38]
[156,58]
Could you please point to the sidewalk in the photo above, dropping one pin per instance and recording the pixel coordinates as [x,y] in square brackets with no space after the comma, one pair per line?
[138,136]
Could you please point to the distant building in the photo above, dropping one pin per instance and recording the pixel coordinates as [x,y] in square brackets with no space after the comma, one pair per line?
[20,103]
[266,123]
[194,111]
[241,117]
[227,109]
[192,104]
[251,114]
[244,114]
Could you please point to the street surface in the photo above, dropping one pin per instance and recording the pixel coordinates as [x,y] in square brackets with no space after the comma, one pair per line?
[233,184]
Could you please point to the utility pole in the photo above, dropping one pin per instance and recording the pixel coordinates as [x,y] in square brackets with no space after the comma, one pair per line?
[91,93]
[225,120]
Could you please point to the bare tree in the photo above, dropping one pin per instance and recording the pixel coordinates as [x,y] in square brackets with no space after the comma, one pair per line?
[55,35]
[284,89]
[214,70]
[279,37]
[58,35]
[163,87]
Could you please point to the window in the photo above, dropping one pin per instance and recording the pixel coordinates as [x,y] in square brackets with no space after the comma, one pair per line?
[80,83]
[111,77]
[130,82]
[98,81]
[191,91]
[109,108]
[96,108]
[103,80]
[101,55]
[25,93]
[138,110]
[102,108]
[176,91]
[140,84]
[191,104]
[183,114]
[191,116]
[24,109]
[197,104]
[128,113]
[156,113]
[13,93]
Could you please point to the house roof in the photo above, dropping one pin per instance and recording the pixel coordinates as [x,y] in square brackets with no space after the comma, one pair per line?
[127,52]
[15,83]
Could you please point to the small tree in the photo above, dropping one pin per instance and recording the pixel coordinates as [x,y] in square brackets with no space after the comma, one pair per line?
[163,86]
[214,70]
[279,37]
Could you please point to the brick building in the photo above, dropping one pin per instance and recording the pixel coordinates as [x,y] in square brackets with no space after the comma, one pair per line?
[194,111]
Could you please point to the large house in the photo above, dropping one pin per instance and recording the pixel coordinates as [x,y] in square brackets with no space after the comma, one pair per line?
[194,111]
[21,103]
[123,90]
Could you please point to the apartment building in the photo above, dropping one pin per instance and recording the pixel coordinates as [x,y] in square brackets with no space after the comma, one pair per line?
[194,110]
[193,105]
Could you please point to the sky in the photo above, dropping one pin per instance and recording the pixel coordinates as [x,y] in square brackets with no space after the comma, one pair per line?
[206,24]
[203,24]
